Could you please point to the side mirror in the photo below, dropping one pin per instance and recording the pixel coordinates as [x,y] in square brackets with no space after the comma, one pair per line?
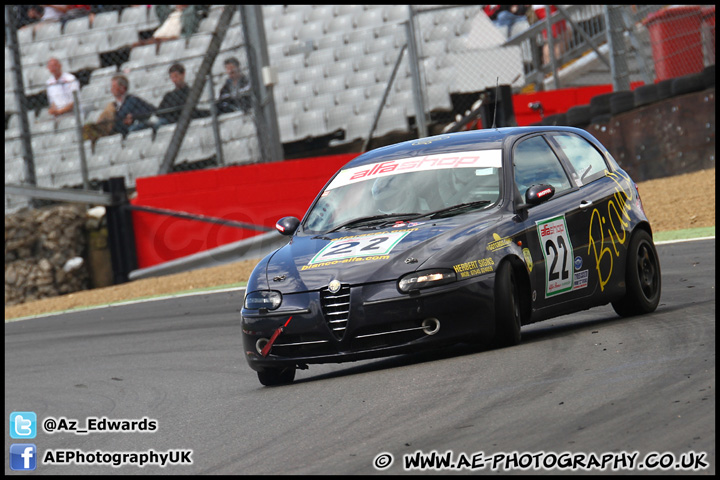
[537,194]
[287,225]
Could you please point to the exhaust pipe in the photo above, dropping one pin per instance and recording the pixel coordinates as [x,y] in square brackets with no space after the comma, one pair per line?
[431,326]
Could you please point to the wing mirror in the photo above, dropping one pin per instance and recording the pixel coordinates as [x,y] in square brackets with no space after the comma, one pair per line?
[537,194]
[287,225]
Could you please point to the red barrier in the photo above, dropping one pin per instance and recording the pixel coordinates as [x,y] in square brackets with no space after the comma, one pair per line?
[676,37]
[258,194]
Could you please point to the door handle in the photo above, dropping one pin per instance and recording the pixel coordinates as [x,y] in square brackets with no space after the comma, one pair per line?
[585,204]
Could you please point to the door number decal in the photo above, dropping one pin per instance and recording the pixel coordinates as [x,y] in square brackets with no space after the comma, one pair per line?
[558,253]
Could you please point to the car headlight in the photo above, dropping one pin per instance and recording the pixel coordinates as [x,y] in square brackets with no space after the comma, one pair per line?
[268,299]
[428,278]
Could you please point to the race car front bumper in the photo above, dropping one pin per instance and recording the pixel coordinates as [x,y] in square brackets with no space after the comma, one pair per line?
[379,321]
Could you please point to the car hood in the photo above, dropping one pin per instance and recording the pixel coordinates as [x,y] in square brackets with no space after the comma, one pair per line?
[365,255]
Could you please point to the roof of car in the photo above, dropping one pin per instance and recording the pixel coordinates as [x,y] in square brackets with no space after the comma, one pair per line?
[483,139]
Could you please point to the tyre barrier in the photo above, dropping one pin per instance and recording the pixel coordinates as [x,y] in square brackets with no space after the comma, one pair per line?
[601,119]
[600,104]
[687,84]
[622,102]
[555,120]
[664,89]
[645,95]
[708,75]
[579,116]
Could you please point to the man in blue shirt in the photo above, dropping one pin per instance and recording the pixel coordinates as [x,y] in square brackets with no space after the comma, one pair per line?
[131,113]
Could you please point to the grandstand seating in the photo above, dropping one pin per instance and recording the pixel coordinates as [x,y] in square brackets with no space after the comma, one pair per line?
[333,63]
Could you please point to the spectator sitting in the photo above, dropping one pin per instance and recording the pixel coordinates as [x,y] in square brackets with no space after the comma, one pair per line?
[63,13]
[235,93]
[28,14]
[131,113]
[173,101]
[182,20]
[186,18]
[60,88]
[507,16]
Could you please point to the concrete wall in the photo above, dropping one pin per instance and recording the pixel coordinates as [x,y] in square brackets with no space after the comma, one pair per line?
[666,138]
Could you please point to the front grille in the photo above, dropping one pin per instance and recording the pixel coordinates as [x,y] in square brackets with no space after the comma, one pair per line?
[336,308]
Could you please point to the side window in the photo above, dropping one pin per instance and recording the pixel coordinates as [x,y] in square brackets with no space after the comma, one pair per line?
[588,163]
[535,163]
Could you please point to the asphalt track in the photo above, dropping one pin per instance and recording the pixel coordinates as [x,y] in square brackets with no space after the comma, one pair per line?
[588,383]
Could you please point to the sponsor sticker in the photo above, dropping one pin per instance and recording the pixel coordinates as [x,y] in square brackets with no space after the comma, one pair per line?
[474,267]
[581,280]
[498,243]
[477,159]
[578,262]
[528,258]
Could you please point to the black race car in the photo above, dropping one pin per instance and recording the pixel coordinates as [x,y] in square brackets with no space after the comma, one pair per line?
[458,237]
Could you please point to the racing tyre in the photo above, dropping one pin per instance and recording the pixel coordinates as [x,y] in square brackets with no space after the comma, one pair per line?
[579,115]
[622,102]
[642,277]
[664,89]
[554,120]
[708,76]
[690,83]
[645,95]
[600,104]
[276,376]
[508,317]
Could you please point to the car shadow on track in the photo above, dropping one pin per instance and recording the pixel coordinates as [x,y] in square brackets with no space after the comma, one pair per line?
[533,333]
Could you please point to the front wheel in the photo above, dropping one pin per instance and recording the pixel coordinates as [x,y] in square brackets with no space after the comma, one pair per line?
[508,317]
[642,277]
[276,376]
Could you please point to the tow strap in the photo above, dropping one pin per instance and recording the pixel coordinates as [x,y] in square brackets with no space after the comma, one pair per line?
[266,349]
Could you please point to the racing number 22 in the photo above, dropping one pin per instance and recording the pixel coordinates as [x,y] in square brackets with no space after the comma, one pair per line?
[557,251]
[551,249]
[347,247]
[359,246]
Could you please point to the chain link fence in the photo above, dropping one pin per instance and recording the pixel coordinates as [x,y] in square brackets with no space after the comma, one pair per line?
[344,78]
[615,44]
[115,45]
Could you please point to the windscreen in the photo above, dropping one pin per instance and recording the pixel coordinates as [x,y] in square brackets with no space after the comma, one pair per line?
[406,188]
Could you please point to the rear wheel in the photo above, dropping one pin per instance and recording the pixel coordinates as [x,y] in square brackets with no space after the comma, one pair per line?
[642,277]
[276,376]
[508,316]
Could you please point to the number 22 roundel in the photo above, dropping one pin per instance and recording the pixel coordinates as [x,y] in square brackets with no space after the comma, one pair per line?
[359,246]
[558,251]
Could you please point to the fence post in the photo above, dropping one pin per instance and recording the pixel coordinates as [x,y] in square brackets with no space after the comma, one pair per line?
[121,235]
[263,102]
[81,142]
[16,67]
[618,51]
[215,127]
[414,62]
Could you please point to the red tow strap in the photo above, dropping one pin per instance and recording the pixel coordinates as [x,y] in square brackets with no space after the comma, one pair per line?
[268,346]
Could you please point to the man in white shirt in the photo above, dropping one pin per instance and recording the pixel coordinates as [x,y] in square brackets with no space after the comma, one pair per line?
[60,88]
